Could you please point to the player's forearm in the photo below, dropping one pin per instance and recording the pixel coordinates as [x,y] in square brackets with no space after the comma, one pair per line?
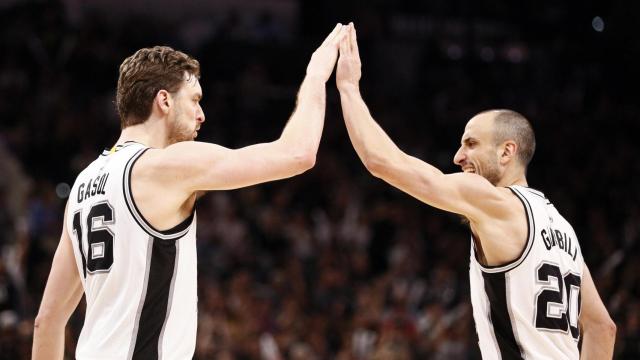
[598,341]
[374,147]
[48,340]
[302,133]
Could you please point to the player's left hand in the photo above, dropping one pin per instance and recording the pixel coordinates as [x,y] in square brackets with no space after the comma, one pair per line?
[349,71]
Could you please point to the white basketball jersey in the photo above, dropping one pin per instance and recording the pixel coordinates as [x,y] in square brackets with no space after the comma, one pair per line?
[529,308]
[140,283]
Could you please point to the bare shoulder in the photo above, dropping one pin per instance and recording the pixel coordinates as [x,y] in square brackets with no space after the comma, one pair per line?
[510,199]
[484,201]
[502,231]
[505,206]
[178,161]
[160,185]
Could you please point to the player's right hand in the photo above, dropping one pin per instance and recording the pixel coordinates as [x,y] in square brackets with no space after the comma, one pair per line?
[324,58]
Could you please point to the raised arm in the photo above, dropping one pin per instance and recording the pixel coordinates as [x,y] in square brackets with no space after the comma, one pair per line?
[598,330]
[61,297]
[196,166]
[468,194]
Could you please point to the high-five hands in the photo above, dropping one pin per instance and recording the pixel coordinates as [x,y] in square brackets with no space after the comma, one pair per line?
[324,58]
[349,67]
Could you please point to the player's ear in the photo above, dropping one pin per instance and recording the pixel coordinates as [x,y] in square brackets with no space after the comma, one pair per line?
[163,101]
[508,149]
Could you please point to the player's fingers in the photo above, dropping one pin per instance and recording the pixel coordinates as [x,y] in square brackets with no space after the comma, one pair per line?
[344,31]
[354,41]
[336,30]
[344,45]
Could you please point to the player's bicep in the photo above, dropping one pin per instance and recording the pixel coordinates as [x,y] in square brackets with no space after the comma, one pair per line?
[470,195]
[197,166]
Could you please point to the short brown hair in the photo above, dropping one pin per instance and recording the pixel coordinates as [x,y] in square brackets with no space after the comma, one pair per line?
[511,125]
[145,73]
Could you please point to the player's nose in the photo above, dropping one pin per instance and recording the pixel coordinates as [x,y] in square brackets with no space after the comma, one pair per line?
[200,116]
[459,157]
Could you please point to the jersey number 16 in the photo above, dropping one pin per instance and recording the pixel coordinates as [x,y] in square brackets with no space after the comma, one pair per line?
[99,253]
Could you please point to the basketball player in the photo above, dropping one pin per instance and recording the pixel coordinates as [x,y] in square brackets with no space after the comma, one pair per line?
[532,294]
[128,237]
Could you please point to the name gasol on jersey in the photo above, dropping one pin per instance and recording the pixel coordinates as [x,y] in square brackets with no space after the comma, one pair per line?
[552,237]
[92,187]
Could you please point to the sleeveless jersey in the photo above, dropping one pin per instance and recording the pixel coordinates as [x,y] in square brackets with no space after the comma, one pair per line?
[529,308]
[139,282]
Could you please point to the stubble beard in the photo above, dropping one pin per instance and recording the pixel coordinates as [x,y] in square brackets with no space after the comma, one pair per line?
[491,172]
[179,131]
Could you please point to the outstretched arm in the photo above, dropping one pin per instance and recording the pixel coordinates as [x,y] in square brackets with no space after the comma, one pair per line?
[196,166]
[598,330]
[468,194]
[61,297]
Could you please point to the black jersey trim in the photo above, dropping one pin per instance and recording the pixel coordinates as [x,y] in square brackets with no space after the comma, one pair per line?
[153,316]
[172,234]
[531,231]
[534,192]
[495,287]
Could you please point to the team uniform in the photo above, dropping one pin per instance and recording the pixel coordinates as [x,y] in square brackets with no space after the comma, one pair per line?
[140,283]
[529,308]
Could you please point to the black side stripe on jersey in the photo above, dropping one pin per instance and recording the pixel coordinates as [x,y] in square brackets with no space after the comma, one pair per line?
[171,234]
[531,232]
[143,297]
[495,286]
[154,313]
[170,301]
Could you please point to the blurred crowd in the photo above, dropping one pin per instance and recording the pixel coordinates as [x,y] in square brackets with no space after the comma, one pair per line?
[333,264]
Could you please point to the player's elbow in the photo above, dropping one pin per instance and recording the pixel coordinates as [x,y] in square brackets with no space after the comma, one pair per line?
[43,321]
[606,331]
[609,328]
[303,160]
[49,318]
[375,164]
[604,328]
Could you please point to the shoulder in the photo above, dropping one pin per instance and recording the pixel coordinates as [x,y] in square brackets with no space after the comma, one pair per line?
[490,202]
[497,207]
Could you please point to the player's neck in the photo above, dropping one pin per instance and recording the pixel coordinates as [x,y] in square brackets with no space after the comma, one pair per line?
[514,177]
[151,133]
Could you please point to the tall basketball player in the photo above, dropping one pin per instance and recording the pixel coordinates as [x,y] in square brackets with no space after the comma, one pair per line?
[532,294]
[128,239]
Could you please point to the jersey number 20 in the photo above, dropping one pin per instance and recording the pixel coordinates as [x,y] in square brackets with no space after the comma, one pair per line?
[554,312]
[99,254]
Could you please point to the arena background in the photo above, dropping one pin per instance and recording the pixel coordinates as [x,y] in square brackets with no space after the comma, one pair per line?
[333,264]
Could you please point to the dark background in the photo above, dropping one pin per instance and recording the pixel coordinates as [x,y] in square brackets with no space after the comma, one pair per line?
[333,264]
